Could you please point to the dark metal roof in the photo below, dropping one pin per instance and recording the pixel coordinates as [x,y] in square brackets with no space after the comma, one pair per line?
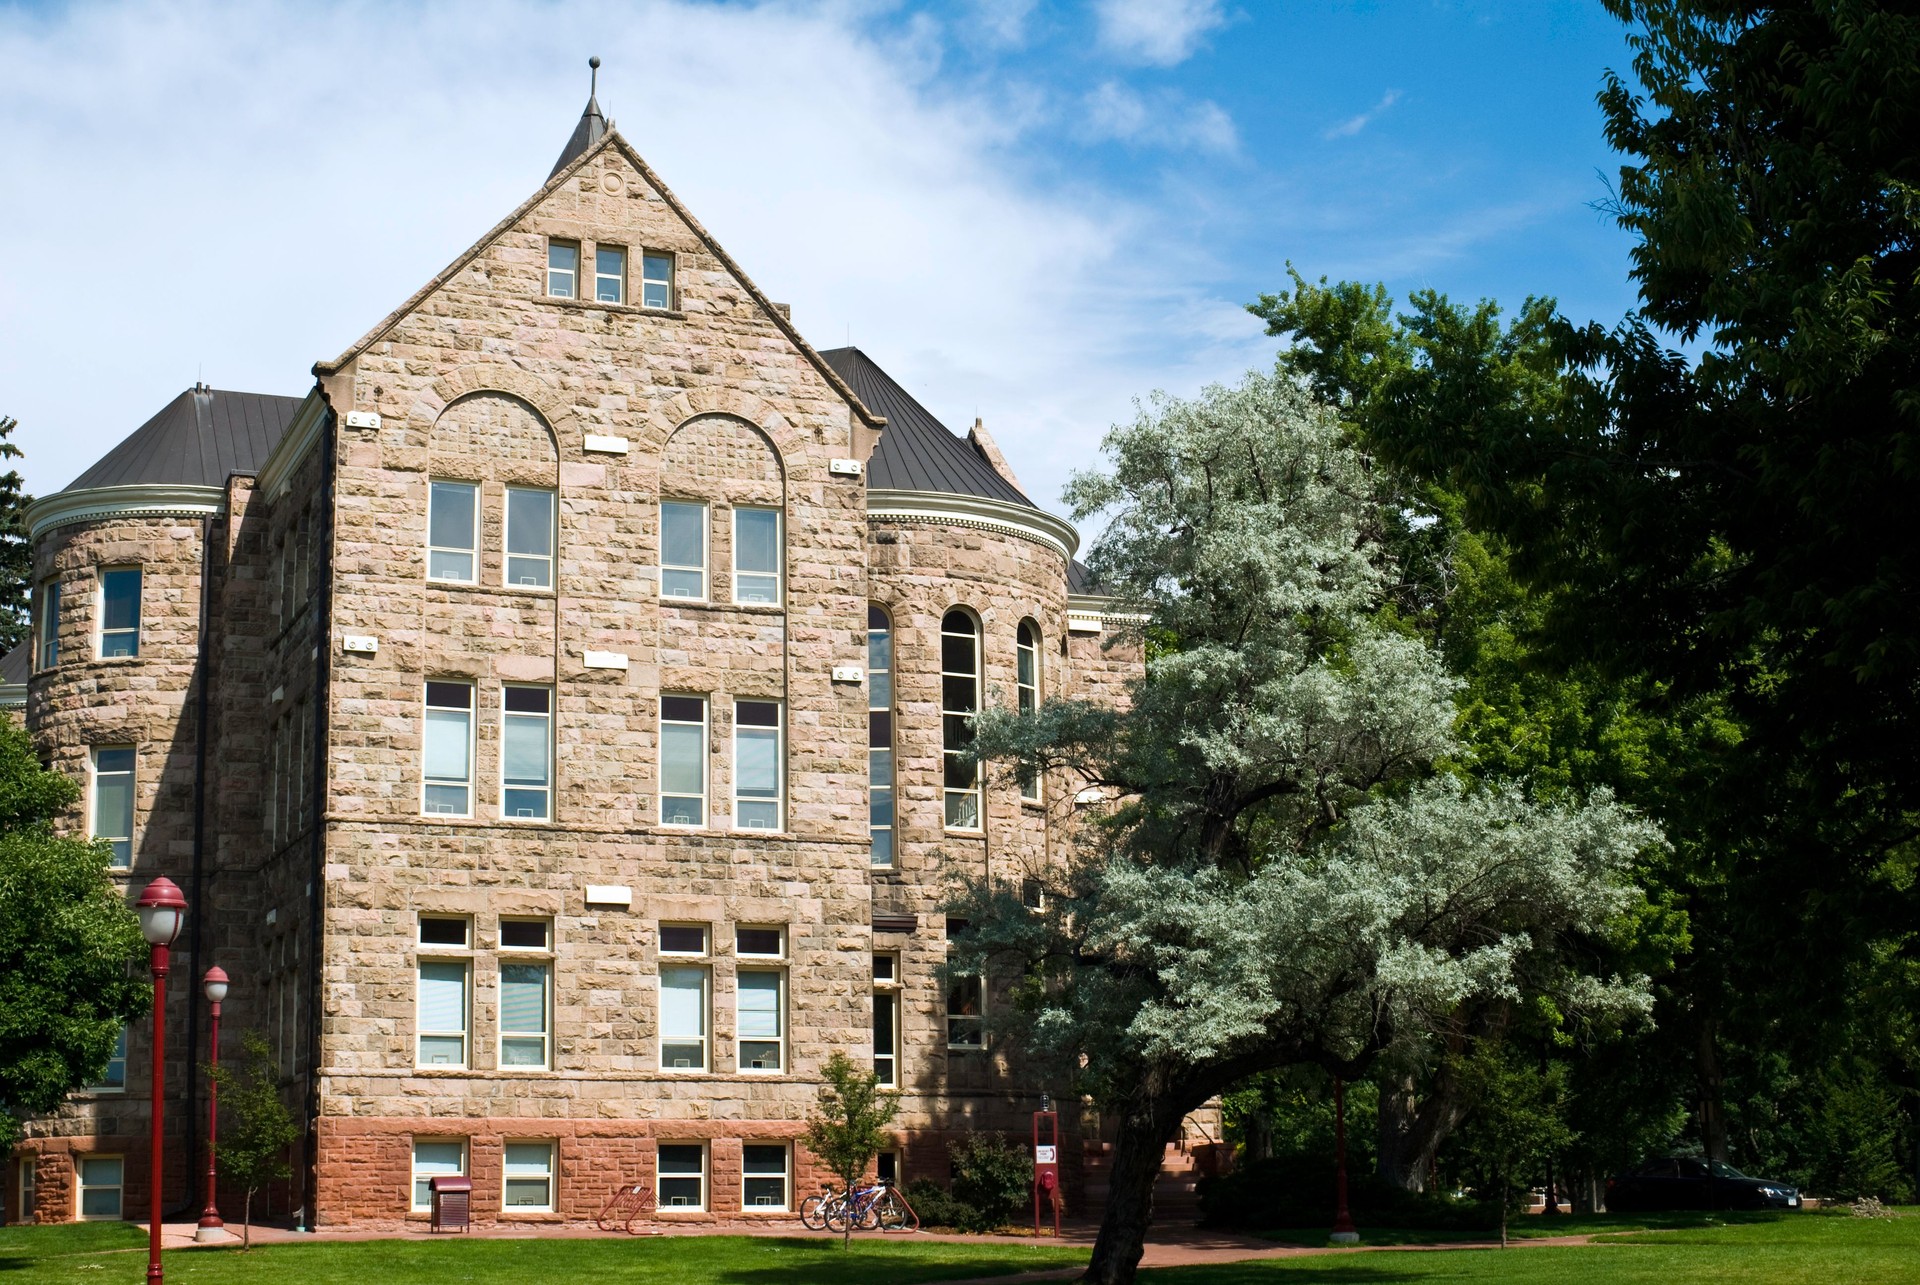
[917,452]
[586,135]
[1079,579]
[199,439]
[16,665]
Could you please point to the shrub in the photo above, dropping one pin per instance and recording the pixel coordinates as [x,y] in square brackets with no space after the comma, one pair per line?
[1297,1191]
[992,1178]
[936,1207]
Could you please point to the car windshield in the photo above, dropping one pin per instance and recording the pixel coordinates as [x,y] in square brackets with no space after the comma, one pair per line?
[1723,1170]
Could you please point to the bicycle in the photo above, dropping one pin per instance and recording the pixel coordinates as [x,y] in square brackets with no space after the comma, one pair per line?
[879,1207]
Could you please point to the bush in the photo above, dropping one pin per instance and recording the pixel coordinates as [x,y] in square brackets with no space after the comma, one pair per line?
[935,1207]
[992,1183]
[1297,1191]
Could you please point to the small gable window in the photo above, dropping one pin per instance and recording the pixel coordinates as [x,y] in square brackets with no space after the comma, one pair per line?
[656,280]
[609,274]
[563,269]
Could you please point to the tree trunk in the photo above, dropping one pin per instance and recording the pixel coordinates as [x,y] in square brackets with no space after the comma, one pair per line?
[1145,1131]
[1412,1129]
[246,1222]
[1500,1189]
[1713,1113]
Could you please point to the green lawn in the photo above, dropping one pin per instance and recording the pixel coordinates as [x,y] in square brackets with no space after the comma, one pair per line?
[96,1254]
[1791,1249]
[1527,1228]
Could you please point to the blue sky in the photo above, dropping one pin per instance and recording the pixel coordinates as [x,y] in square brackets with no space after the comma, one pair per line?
[1034,211]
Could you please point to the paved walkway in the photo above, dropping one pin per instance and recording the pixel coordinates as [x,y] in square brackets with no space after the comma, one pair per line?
[1167,1245]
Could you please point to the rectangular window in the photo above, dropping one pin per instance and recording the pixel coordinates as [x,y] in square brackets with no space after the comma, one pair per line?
[761,943]
[683,760]
[120,612]
[438,930]
[1027,681]
[682,1182]
[756,555]
[683,549]
[563,269]
[447,764]
[886,1167]
[525,990]
[756,765]
[435,1158]
[609,274]
[100,1185]
[113,801]
[115,1079]
[761,1017]
[443,1012]
[763,1176]
[527,1169]
[656,280]
[49,624]
[966,1002]
[880,735]
[453,530]
[29,1172]
[683,1017]
[526,753]
[529,537]
[886,1016]
[524,934]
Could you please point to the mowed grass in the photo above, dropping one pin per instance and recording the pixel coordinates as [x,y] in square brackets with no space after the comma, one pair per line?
[97,1254]
[1530,1227]
[1788,1249]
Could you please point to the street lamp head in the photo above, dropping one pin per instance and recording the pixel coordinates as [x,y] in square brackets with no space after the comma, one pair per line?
[162,909]
[214,984]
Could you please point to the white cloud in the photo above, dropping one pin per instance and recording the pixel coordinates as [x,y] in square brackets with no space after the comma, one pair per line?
[1160,33]
[1114,111]
[234,191]
[999,23]
[1354,124]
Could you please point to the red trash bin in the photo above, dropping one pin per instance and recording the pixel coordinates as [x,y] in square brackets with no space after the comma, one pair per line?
[451,1202]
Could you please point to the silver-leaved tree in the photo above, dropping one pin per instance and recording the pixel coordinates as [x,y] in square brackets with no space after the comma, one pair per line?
[1281,874]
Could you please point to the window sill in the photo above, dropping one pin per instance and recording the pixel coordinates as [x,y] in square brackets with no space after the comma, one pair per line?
[118,660]
[708,604]
[594,305]
[475,586]
[964,834]
[530,1216]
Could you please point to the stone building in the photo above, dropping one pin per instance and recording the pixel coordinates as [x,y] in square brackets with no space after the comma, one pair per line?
[555,719]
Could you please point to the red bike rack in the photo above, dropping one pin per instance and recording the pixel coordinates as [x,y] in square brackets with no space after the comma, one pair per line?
[629,1201]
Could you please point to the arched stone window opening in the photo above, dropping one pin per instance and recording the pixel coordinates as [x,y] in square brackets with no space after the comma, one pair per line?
[959,704]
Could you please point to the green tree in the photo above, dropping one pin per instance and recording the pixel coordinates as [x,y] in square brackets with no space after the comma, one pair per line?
[1281,878]
[1518,1122]
[848,1126]
[69,945]
[16,555]
[256,1128]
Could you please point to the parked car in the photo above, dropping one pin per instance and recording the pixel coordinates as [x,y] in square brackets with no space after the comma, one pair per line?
[1684,1182]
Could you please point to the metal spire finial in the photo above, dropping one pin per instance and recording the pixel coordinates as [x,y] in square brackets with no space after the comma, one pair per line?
[593,82]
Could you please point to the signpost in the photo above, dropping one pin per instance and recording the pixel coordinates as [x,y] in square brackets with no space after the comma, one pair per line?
[1046,1162]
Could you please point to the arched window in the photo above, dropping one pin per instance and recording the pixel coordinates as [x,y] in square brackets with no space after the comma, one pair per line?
[880,734]
[959,702]
[1027,679]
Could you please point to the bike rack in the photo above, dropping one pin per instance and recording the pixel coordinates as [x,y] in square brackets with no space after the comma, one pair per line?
[628,1202]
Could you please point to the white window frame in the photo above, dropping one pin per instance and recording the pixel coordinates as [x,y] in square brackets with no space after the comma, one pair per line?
[646,279]
[950,795]
[756,732]
[421,1032]
[81,1187]
[786,1178]
[515,717]
[419,1193]
[1027,670]
[887,989]
[508,527]
[682,568]
[132,774]
[687,961]
[526,959]
[661,1177]
[471,550]
[706,802]
[618,276]
[101,633]
[427,782]
[882,629]
[46,651]
[779,1040]
[978,1021]
[548,1174]
[779,556]
[572,274]
[29,1179]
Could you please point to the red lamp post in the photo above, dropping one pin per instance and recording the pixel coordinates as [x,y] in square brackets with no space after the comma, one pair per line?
[162,909]
[1344,1232]
[214,986]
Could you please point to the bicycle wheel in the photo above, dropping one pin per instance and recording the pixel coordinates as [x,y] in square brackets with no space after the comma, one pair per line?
[840,1215]
[869,1215]
[815,1211]
[888,1213]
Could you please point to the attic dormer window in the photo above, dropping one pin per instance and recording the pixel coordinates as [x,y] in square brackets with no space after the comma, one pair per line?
[609,274]
[563,269]
[656,280]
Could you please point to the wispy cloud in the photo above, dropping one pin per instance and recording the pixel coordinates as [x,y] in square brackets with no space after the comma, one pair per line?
[1160,33]
[1000,23]
[1354,124]
[1117,112]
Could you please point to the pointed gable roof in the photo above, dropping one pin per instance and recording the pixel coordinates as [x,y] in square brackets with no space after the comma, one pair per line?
[200,438]
[918,452]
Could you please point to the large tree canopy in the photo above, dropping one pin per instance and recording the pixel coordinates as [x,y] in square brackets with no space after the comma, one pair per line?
[68,945]
[1281,877]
